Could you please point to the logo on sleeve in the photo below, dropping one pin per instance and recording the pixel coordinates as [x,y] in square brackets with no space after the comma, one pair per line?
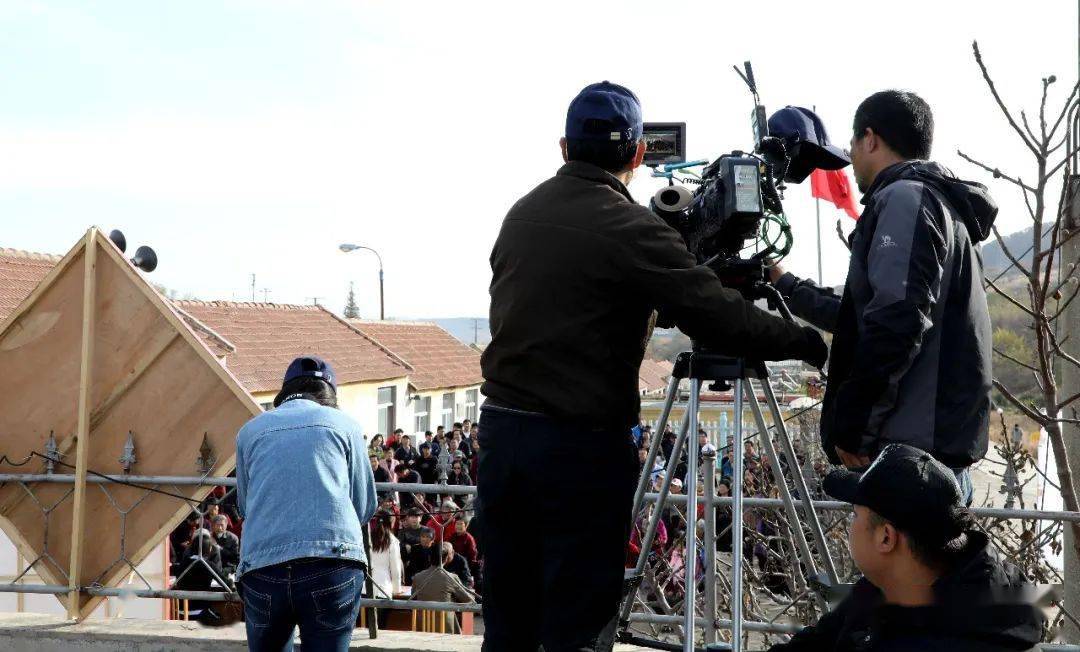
[886,242]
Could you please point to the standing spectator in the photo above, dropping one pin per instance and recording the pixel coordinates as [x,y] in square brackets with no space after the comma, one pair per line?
[466,430]
[386,566]
[667,443]
[427,465]
[458,475]
[1017,435]
[474,462]
[406,453]
[376,446]
[388,462]
[306,493]
[227,542]
[406,475]
[379,473]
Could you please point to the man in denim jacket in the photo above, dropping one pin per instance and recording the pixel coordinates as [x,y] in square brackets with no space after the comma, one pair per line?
[305,489]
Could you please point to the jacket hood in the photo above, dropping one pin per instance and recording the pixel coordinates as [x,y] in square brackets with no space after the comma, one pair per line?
[969,199]
[981,601]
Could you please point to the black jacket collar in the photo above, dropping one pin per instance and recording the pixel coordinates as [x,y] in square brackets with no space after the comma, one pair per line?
[583,170]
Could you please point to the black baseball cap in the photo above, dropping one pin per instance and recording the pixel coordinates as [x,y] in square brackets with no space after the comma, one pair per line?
[313,366]
[907,487]
[807,143]
[604,112]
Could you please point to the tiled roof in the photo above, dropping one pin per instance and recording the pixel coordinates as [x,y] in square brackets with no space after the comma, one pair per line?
[20,273]
[653,375]
[269,336]
[440,360]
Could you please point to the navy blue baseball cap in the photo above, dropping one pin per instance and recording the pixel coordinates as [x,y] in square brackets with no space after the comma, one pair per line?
[313,366]
[807,143]
[604,111]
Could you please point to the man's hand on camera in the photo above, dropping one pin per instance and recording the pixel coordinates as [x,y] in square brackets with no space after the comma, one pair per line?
[852,461]
[817,353]
[775,272]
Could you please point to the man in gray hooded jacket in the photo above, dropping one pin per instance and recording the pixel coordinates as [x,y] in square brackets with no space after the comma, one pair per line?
[911,353]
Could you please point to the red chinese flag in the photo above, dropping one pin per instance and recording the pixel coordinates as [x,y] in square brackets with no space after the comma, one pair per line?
[833,186]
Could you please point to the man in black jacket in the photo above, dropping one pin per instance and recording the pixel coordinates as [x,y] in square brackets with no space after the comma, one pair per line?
[910,359]
[931,580]
[578,270]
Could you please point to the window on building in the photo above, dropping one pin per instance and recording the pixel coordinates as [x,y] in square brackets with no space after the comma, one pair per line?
[387,409]
[472,397]
[267,406]
[422,415]
[448,411]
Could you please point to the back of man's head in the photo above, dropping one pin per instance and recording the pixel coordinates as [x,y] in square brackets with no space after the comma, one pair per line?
[901,118]
[604,127]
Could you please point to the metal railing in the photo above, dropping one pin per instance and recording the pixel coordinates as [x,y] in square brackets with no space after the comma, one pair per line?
[672,620]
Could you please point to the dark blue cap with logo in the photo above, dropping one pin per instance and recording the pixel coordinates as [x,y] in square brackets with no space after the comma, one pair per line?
[807,143]
[604,111]
[311,366]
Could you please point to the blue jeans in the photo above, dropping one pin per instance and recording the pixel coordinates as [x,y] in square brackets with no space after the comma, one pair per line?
[322,596]
[967,490]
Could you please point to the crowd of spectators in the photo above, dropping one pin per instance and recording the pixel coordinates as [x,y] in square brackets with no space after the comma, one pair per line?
[762,542]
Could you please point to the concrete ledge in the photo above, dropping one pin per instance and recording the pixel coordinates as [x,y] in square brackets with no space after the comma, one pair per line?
[24,632]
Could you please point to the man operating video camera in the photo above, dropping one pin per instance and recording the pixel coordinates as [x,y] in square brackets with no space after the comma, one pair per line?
[911,355]
[579,269]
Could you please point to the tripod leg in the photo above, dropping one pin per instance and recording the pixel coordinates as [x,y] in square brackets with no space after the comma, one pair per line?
[737,519]
[650,530]
[708,468]
[800,485]
[690,563]
[654,445]
[781,485]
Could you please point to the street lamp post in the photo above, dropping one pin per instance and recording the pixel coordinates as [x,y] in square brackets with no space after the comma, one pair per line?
[353,247]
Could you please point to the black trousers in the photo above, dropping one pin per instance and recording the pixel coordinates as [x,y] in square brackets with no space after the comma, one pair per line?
[554,506]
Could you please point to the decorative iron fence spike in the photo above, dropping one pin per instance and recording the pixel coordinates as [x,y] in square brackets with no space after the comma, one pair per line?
[127,460]
[52,453]
[206,460]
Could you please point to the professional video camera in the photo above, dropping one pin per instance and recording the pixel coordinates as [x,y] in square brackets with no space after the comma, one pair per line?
[738,199]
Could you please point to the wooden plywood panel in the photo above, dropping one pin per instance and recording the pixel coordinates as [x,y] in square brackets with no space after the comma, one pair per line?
[151,376]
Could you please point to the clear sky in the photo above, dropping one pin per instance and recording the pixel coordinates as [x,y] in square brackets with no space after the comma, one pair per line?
[254,137]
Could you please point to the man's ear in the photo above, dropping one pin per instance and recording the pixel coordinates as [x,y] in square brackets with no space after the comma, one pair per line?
[886,538]
[871,142]
[639,155]
[562,146]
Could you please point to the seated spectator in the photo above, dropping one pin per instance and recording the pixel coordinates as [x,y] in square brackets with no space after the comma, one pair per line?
[660,539]
[436,584]
[427,465]
[442,520]
[388,462]
[227,542]
[456,564]
[376,446]
[180,538]
[931,579]
[213,509]
[201,567]
[474,461]
[422,555]
[410,529]
[387,504]
[386,566]
[380,473]
[464,543]
[429,439]
[458,475]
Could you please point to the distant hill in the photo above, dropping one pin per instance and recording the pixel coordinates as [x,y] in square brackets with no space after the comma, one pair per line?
[995,260]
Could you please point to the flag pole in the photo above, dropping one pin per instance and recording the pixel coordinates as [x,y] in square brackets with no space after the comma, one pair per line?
[817,211]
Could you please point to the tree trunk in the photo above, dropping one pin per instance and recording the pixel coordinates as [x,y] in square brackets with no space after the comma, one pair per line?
[1070,432]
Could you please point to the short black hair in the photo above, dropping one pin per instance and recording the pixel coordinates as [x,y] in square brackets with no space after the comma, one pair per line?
[930,549]
[613,156]
[311,388]
[901,118]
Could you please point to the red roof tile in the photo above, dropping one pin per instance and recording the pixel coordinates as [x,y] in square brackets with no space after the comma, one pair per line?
[440,359]
[269,336]
[20,273]
[653,375]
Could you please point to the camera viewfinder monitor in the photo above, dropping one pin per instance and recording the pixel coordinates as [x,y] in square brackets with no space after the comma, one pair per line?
[665,142]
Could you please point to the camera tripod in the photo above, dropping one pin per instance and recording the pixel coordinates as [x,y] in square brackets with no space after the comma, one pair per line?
[724,373]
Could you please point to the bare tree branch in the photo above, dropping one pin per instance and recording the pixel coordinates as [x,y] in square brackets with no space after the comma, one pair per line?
[1046,81]
[1027,127]
[1065,159]
[1011,300]
[1008,253]
[1061,309]
[998,174]
[997,98]
[1031,414]
[1063,404]
[1009,357]
[1056,346]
